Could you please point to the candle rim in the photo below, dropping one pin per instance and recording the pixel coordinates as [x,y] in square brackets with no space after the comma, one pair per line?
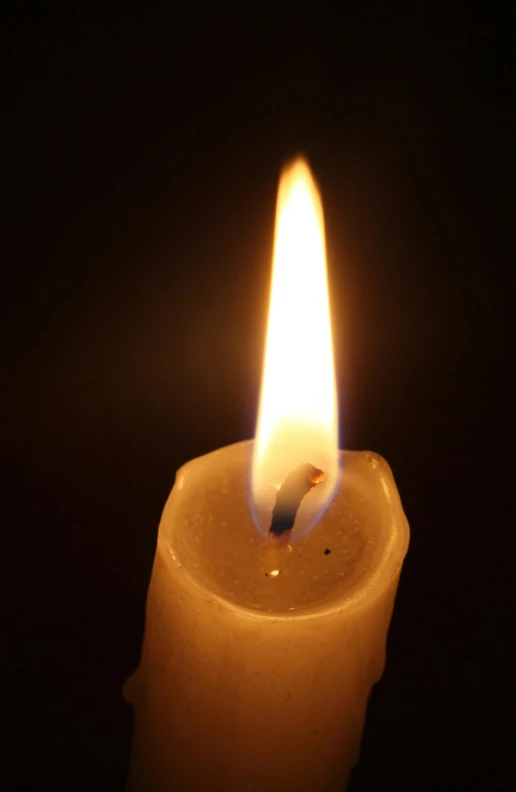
[379,578]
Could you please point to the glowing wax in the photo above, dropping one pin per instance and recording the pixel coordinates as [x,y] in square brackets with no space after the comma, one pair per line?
[258,659]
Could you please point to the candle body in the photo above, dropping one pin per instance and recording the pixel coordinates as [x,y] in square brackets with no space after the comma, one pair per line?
[256,681]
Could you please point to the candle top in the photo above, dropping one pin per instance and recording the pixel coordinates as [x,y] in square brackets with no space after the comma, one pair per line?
[211,536]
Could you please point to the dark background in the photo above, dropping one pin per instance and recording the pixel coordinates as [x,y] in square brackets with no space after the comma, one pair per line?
[142,157]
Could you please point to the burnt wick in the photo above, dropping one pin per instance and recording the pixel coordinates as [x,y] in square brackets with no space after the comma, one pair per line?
[289,497]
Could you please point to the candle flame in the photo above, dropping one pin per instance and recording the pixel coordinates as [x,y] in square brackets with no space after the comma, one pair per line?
[297,419]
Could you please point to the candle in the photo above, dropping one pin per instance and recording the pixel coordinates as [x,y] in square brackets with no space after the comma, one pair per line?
[275,572]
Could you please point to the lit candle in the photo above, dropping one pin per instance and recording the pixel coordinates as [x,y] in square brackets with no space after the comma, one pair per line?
[276,569]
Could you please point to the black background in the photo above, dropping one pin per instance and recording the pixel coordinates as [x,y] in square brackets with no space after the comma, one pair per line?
[142,160]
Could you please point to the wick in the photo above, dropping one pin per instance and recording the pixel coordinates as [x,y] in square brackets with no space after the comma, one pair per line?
[289,497]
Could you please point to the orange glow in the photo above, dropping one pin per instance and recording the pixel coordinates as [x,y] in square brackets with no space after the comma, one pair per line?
[318,479]
[297,419]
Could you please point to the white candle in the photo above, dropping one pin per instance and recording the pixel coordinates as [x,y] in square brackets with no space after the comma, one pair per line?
[259,654]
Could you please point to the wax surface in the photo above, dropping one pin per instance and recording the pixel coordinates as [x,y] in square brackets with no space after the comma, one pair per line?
[211,532]
[258,659]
